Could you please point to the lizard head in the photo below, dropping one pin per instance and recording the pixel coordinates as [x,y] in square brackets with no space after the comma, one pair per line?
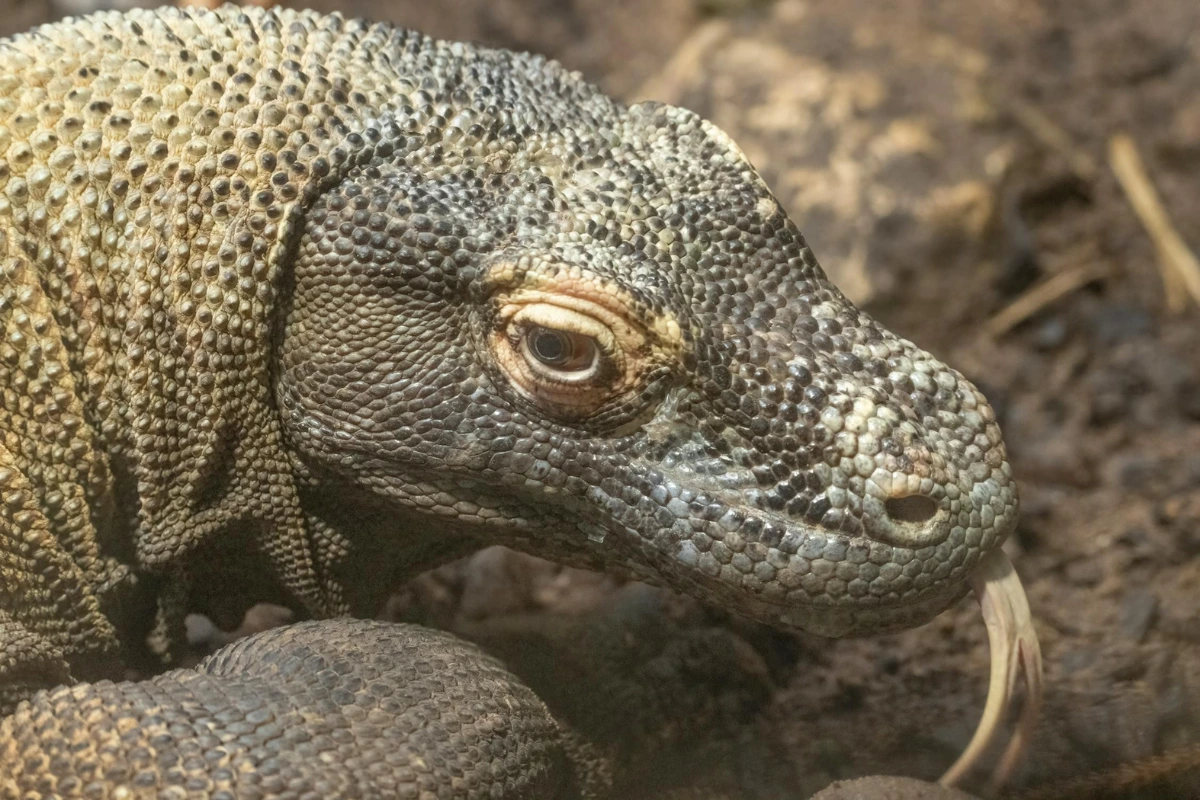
[597,337]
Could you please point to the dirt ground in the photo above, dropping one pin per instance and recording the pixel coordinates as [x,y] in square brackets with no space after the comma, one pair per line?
[947,162]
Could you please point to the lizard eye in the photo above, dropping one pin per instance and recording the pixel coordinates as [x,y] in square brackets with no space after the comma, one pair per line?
[565,359]
[560,351]
[576,349]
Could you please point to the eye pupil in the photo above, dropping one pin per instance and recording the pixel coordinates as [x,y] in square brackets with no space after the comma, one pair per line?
[561,351]
[550,347]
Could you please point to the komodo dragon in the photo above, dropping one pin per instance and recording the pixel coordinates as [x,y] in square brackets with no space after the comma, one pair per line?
[293,307]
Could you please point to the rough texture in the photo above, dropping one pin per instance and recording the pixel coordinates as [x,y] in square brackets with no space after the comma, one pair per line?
[335,709]
[293,307]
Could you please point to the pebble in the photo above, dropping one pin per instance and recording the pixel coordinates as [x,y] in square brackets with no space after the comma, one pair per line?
[1050,334]
[1138,613]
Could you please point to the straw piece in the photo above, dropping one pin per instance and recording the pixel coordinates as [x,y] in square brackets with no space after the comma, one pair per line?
[1043,294]
[1179,267]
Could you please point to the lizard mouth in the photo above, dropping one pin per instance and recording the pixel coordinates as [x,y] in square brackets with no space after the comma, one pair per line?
[862,517]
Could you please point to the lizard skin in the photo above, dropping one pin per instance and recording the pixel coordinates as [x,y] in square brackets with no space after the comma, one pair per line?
[269,284]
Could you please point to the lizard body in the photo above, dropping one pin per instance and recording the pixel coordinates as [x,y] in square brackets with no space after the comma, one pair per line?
[293,307]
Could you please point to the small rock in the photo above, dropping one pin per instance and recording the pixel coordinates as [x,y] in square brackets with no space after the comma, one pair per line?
[201,632]
[1138,612]
[496,581]
[262,617]
[1051,334]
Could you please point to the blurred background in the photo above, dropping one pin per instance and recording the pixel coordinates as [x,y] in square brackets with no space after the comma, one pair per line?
[1015,184]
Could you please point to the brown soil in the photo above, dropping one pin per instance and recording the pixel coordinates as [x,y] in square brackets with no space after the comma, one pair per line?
[943,157]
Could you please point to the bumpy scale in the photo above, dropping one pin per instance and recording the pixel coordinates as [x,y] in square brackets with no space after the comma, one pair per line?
[293,307]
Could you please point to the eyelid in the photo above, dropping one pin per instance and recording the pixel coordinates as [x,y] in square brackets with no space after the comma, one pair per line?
[561,310]
[557,318]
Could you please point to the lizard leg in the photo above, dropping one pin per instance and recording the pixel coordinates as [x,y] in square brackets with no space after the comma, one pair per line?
[334,709]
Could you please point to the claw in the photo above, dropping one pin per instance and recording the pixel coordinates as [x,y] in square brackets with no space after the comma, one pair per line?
[1016,655]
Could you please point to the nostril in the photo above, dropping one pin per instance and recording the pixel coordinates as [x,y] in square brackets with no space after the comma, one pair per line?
[915,508]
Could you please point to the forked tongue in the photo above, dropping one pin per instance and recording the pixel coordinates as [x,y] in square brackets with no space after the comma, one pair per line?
[1016,656]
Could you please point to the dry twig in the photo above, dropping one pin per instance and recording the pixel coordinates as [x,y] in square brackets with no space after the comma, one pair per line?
[1042,294]
[1179,267]
[1052,135]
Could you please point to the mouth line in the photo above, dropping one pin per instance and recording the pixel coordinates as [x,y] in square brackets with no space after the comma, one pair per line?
[820,549]
[877,527]
[842,616]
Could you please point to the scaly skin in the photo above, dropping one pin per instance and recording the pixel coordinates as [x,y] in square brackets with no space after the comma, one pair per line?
[269,287]
[307,708]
